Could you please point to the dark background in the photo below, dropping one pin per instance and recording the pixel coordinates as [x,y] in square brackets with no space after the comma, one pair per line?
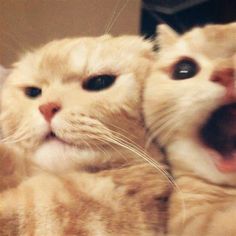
[184,14]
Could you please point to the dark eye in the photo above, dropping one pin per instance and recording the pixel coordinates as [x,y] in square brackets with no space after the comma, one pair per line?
[99,82]
[185,69]
[33,92]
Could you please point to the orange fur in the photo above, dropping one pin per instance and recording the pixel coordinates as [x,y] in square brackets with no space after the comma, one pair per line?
[125,201]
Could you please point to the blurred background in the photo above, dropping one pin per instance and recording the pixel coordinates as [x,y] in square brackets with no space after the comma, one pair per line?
[25,24]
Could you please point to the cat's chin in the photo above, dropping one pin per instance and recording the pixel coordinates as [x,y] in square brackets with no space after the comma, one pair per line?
[58,156]
[219,137]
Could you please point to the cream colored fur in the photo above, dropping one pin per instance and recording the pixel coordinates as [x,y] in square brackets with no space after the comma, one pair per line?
[175,111]
[96,125]
[101,182]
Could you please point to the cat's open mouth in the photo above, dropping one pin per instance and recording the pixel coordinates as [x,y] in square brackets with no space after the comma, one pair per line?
[219,135]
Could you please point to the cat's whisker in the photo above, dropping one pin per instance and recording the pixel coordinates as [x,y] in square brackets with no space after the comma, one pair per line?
[155,164]
[163,123]
[139,153]
[112,16]
[161,115]
[117,12]
[111,146]
[16,140]
[123,137]
[103,150]
[166,127]
[13,136]
[122,130]
[13,139]
[20,135]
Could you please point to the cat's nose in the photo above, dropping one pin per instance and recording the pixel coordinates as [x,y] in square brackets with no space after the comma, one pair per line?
[224,77]
[48,110]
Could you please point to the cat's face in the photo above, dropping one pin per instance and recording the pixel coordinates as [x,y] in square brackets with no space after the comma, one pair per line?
[65,102]
[190,101]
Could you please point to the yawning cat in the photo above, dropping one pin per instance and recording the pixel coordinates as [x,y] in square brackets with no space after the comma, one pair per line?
[190,110]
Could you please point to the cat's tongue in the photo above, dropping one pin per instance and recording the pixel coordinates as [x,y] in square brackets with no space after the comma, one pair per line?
[228,163]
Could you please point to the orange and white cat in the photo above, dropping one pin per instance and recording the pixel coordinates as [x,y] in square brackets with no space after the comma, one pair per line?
[190,110]
[73,109]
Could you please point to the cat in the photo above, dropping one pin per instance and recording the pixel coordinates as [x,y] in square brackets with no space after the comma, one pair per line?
[71,111]
[75,103]
[189,107]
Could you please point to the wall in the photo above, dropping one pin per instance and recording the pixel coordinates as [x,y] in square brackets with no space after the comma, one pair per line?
[25,24]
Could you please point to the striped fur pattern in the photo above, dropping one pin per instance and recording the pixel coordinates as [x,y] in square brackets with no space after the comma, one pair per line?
[177,111]
[125,201]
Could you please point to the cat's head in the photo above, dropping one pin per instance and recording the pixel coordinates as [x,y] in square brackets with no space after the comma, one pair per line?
[190,101]
[73,100]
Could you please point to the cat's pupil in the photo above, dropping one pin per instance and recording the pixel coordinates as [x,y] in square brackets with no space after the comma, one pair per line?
[33,92]
[99,82]
[185,69]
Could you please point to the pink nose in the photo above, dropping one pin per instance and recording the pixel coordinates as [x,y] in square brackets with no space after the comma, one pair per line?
[48,110]
[224,77]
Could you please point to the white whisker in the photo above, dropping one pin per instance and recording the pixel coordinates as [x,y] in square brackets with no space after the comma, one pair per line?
[114,18]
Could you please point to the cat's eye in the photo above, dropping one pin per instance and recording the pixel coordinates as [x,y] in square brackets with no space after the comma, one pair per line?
[32,92]
[99,82]
[185,69]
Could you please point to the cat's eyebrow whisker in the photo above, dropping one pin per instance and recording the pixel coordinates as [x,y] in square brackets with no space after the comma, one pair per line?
[115,17]
[112,16]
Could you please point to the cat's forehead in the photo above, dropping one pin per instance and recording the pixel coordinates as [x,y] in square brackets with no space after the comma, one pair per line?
[213,41]
[86,56]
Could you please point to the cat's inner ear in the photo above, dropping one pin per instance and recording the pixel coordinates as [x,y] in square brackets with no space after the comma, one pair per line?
[166,36]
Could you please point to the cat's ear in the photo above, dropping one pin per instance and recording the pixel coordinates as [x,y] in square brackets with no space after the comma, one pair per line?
[166,36]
